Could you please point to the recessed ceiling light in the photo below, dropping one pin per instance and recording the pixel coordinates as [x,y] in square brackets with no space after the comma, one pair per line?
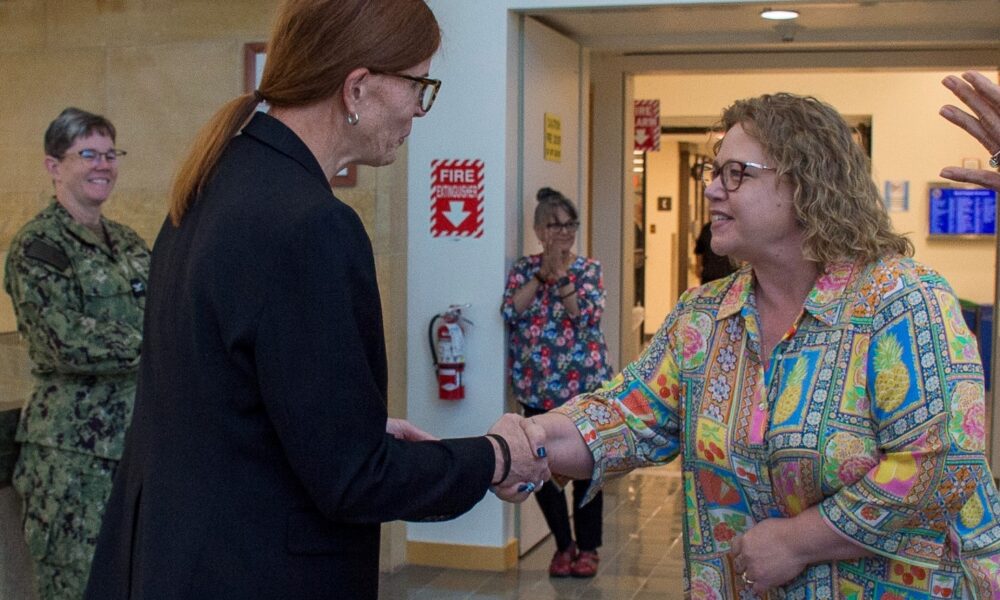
[779,14]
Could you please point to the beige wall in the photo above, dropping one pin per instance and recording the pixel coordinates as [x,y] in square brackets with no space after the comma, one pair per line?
[158,70]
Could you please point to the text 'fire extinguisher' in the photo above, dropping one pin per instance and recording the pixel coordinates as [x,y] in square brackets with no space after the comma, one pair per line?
[447,339]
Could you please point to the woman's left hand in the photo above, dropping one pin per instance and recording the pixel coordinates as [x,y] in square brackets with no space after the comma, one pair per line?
[402,429]
[775,551]
[764,557]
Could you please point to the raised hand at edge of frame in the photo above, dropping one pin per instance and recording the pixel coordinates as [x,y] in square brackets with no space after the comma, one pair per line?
[982,96]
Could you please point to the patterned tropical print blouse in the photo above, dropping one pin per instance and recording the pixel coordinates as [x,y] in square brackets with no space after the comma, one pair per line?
[553,356]
[872,407]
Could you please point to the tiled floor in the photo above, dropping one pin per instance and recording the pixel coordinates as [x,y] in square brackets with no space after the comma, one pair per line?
[642,556]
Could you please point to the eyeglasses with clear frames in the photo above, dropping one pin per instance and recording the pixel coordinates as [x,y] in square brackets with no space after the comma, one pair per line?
[94,157]
[428,88]
[731,172]
[567,227]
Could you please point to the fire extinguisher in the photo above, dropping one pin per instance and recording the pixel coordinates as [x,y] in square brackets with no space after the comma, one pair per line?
[447,339]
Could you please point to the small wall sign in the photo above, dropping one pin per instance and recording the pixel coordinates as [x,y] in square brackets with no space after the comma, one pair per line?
[457,198]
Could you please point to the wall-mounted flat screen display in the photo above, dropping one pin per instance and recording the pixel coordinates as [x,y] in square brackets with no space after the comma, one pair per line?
[962,211]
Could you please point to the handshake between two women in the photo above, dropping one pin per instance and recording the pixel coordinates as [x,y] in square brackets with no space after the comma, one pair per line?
[520,447]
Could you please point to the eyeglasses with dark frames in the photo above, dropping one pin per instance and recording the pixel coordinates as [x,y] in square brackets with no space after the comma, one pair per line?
[567,227]
[731,172]
[428,88]
[94,157]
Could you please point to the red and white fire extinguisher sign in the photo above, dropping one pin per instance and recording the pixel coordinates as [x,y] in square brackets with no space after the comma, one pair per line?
[447,339]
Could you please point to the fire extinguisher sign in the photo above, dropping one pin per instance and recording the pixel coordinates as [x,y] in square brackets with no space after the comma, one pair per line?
[457,198]
[647,125]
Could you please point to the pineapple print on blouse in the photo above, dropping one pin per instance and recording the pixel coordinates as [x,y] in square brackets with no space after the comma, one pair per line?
[893,379]
[872,407]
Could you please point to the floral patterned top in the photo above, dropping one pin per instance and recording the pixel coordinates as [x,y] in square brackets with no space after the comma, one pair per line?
[872,407]
[554,357]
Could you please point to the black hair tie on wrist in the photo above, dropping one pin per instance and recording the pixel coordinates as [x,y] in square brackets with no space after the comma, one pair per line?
[504,455]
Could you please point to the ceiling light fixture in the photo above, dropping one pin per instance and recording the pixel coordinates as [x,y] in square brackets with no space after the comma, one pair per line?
[779,14]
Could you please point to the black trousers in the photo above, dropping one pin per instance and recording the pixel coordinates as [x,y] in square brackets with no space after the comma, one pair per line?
[587,519]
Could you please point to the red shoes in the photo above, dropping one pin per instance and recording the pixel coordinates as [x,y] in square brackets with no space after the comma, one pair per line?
[562,562]
[585,564]
[570,562]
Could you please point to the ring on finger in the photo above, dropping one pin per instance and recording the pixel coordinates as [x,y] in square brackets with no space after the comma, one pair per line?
[746,579]
[995,160]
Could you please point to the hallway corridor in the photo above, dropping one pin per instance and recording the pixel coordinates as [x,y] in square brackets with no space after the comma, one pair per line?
[641,559]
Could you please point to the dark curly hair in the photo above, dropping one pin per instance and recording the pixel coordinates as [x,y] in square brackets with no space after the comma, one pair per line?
[549,201]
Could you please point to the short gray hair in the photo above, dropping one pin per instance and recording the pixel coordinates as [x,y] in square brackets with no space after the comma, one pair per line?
[72,124]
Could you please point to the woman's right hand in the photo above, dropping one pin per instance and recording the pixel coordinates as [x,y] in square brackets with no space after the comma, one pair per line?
[983,97]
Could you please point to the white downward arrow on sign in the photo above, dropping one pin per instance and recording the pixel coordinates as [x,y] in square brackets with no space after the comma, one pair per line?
[456,213]
[640,136]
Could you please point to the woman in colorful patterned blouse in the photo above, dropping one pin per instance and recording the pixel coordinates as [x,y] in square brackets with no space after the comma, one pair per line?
[827,399]
[553,305]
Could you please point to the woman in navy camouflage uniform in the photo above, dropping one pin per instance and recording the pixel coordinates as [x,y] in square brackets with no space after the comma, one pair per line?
[77,281]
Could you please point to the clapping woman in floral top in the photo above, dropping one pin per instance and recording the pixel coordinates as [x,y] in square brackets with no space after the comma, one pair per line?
[553,305]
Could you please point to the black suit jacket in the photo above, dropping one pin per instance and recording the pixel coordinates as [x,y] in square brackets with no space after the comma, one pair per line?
[257,464]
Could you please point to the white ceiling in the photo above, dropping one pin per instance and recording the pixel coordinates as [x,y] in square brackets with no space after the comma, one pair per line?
[866,25]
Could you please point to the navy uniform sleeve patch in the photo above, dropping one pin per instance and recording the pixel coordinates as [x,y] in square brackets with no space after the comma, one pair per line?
[48,254]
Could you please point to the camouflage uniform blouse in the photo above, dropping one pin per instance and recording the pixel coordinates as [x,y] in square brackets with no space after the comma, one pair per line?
[79,304]
[872,407]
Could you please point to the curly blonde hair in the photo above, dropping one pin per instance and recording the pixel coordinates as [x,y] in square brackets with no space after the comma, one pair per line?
[836,201]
